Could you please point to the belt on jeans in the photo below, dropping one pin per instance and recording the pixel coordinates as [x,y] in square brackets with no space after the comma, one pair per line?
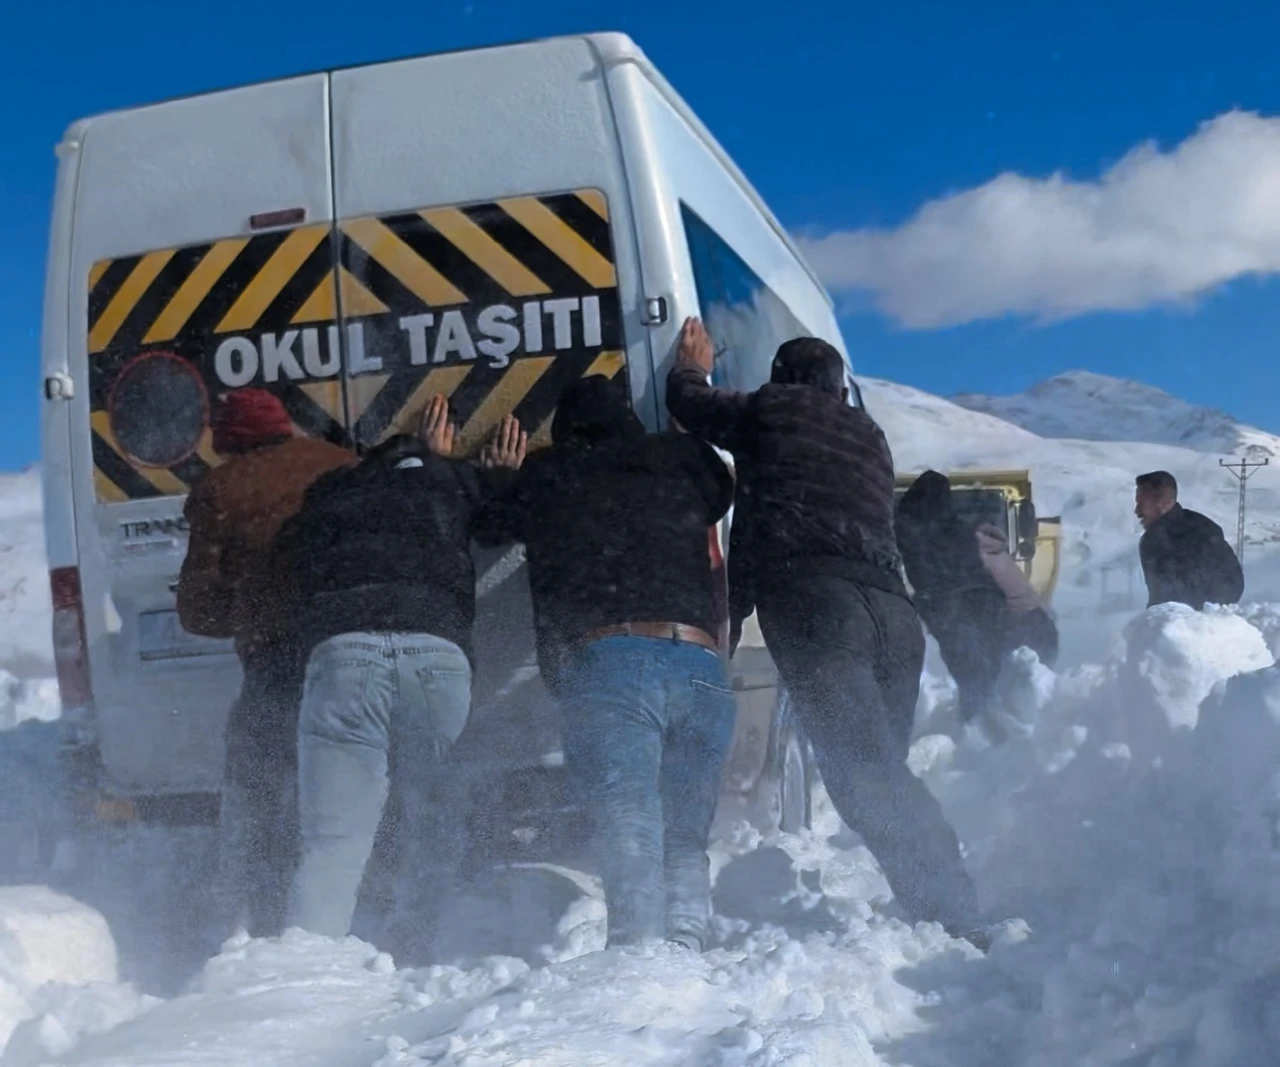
[665,631]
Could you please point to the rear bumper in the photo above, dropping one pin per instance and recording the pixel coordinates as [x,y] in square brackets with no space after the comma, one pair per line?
[175,809]
[94,802]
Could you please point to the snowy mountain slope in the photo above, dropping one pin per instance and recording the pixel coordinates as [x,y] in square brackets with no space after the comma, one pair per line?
[1097,407]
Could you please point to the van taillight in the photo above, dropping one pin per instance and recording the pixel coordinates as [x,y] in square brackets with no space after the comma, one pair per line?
[70,649]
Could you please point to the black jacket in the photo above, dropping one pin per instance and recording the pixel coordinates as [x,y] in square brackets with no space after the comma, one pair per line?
[615,523]
[815,485]
[939,549]
[384,547]
[1187,560]
[957,597]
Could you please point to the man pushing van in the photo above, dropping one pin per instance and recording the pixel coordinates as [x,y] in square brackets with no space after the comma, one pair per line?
[615,526]
[379,556]
[814,552]
[226,589]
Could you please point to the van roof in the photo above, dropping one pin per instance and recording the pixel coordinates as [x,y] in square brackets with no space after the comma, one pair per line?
[612,48]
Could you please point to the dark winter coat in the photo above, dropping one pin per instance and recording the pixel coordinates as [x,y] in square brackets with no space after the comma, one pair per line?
[955,594]
[226,587]
[815,484]
[615,522]
[940,553]
[384,547]
[1187,560]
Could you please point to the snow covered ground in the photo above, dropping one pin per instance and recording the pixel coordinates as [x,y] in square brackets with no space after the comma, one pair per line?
[1131,818]
[58,974]
[1132,825]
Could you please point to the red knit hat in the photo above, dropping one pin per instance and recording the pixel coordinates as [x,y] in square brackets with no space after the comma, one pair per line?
[248,419]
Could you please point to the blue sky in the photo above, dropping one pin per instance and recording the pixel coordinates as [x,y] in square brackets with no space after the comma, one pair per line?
[844,115]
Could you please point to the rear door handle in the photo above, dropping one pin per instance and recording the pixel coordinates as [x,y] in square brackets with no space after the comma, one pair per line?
[653,311]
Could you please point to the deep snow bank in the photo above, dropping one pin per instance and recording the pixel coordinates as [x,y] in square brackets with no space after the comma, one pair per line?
[58,977]
[1135,824]
[1139,834]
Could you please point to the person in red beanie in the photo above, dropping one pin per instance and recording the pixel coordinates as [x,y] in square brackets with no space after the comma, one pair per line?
[249,419]
[228,589]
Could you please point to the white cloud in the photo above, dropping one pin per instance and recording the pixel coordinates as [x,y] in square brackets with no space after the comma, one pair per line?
[1157,227]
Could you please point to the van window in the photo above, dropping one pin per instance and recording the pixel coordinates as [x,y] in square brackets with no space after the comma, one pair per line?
[745,318]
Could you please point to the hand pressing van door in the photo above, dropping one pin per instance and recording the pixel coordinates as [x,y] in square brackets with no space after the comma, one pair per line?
[486,224]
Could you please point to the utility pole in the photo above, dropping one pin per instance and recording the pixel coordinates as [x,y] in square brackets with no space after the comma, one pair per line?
[1243,469]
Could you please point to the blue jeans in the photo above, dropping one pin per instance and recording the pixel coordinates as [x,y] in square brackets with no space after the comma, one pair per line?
[378,712]
[647,726]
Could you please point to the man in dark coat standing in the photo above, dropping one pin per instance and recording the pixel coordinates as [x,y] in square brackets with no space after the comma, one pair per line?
[615,526]
[1185,557]
[814,551]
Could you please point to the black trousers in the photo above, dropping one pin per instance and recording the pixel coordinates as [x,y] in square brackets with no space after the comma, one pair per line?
[1035,630]
[969,626]
[976,632]
[259,820]
[851,657]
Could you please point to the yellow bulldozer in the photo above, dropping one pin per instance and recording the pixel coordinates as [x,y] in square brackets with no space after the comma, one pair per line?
[770,774]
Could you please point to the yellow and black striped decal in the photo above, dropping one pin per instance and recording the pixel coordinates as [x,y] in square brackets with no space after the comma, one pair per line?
[496,305]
